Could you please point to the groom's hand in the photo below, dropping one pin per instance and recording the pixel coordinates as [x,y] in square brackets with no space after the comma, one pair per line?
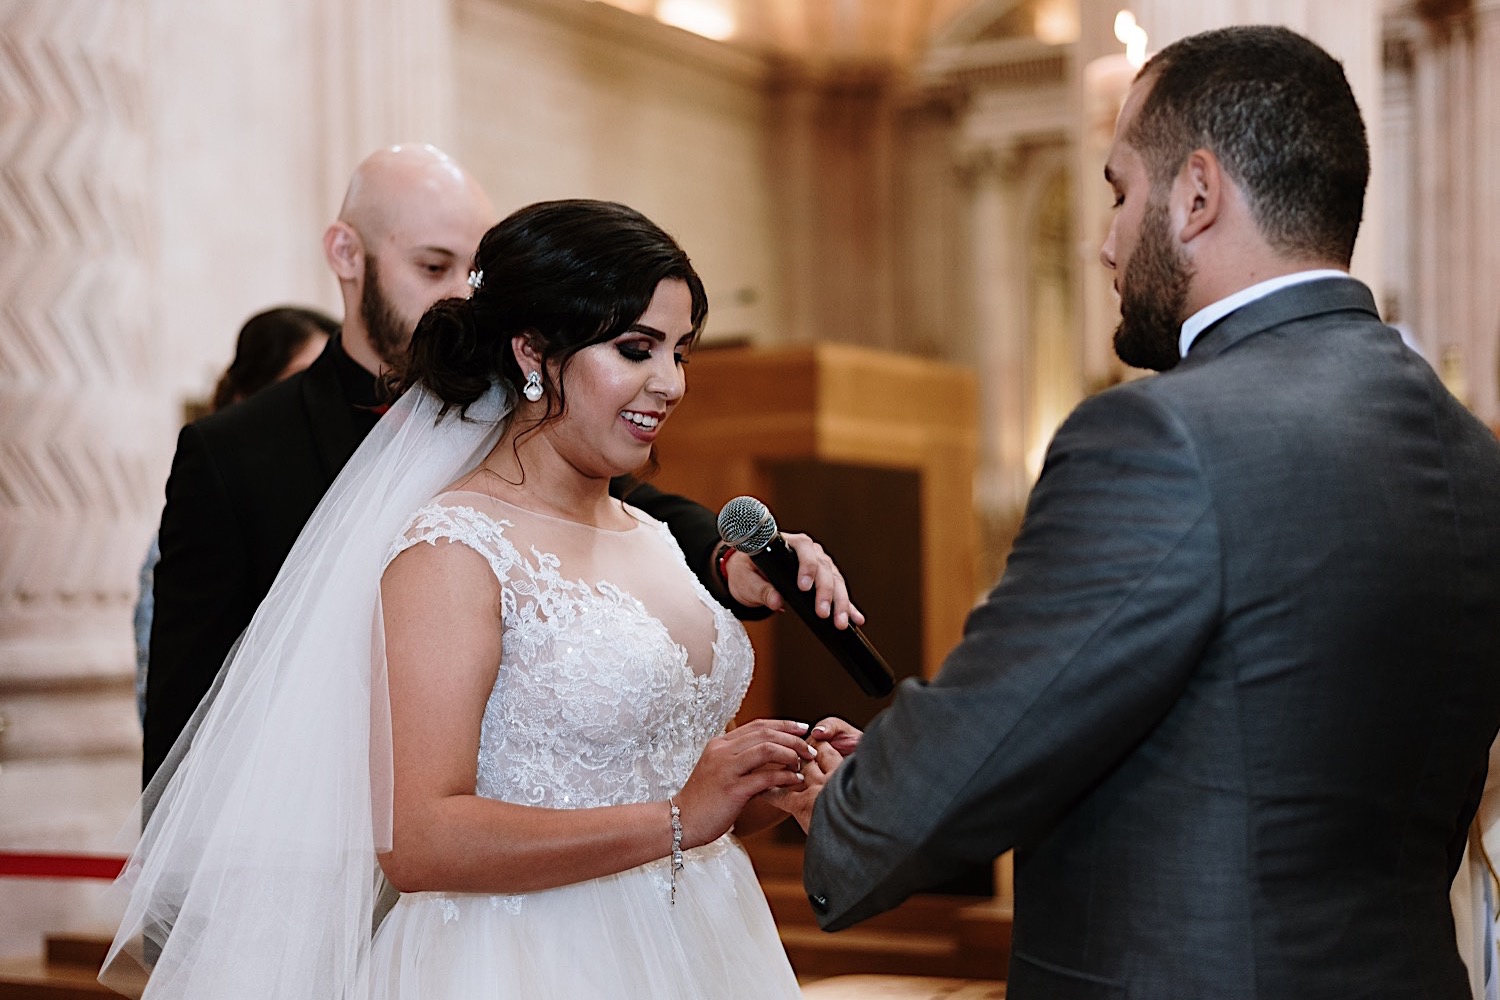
[799,800]
[837,733]
[830,741]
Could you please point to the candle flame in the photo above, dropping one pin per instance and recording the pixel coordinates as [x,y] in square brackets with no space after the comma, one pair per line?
[1133,36]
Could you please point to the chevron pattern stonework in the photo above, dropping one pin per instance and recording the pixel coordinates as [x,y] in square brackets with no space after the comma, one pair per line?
[84,440]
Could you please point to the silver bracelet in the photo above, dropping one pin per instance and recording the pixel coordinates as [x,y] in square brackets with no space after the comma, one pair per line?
[676,846]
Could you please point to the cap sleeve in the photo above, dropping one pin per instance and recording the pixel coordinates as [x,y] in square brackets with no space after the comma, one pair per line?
[440,521]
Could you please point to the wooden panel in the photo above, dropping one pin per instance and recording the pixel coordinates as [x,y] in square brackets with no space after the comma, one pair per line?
[748,410]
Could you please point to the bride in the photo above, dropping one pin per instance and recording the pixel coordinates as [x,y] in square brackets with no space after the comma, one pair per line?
[531,743]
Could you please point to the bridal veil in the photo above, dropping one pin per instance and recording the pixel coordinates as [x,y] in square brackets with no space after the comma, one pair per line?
[255,874]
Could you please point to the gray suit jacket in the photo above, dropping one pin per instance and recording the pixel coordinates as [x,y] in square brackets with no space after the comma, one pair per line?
[1232,698]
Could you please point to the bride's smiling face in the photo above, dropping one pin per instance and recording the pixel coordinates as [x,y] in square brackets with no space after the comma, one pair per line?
[621,391]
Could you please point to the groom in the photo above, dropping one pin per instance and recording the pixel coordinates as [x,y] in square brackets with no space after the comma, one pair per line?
[1231,701]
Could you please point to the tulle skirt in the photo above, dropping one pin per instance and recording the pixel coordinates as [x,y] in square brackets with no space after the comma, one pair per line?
[613,938]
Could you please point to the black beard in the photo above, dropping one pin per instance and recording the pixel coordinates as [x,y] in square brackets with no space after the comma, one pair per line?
[389,334]
[1153,296]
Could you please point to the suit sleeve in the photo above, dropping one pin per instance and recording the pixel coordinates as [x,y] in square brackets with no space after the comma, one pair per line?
[1110,593]
[696,529]
[199,593]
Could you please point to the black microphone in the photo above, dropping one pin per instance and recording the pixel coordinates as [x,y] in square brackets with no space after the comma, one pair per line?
[747,524]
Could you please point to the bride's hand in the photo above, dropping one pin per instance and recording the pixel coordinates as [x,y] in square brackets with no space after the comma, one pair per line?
[736,767]
[798,801]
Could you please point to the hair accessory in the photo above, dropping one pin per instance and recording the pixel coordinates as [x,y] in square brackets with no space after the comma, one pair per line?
[476,278]
[532,390]
[676,846]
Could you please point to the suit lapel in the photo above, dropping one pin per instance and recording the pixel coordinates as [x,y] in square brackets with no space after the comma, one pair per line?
[328,415]
[1299,302]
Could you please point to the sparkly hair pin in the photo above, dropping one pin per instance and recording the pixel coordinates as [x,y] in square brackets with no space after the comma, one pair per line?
[476,278]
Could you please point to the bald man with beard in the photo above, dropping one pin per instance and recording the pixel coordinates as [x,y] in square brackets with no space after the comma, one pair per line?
[246,479]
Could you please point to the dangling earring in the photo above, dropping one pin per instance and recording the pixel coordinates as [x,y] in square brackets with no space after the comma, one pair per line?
[532,390]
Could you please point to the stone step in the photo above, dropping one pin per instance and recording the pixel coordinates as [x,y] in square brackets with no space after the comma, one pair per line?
[903,988]
[34,979]
[929,935]
[66,970]
[86,950]
[815,954]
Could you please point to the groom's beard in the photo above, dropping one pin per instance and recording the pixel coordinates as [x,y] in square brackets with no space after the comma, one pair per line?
[1153,296]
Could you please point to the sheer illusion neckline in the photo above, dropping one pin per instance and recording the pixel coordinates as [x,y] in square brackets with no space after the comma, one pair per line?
[631,511]
[600,588]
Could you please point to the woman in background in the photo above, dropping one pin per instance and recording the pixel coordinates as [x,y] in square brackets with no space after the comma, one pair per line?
[273,345]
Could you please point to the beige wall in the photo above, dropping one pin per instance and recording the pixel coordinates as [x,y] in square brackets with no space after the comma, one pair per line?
[562,100]
[256,115]
[235,199]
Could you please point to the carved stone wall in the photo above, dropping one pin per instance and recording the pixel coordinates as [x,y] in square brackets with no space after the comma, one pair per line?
[83,430]
[165,171]
[563,99]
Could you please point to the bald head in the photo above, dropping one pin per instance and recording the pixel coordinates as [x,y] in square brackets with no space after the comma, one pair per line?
[405,234]
[400,185]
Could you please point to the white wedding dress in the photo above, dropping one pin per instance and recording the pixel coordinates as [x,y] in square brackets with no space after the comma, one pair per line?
[617,669]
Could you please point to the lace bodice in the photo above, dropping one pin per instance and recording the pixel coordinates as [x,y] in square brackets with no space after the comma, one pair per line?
[617,667]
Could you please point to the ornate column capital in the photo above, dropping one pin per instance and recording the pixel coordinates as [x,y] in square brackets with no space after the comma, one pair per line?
[1443,10]
[978,162]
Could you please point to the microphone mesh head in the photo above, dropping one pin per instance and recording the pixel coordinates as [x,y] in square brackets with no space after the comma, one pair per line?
[747,524]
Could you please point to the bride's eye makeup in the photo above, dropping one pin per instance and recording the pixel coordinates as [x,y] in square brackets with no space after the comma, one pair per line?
[639,346]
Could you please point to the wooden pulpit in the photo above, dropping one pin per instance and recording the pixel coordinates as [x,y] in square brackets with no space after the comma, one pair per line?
[870,452]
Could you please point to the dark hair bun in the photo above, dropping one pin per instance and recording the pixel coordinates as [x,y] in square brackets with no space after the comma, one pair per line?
[447,357]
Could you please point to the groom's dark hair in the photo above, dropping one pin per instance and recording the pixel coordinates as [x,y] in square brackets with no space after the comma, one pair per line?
[1279,114]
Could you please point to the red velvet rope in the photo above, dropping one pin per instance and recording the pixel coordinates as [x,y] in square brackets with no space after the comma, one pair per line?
[59,866]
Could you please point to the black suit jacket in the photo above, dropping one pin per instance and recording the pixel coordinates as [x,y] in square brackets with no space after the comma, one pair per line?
[1232,699]
[243,483]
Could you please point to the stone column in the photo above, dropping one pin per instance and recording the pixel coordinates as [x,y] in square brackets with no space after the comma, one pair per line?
[1000,270]
[832,158]
[1455,209]
[1485,220]
[999,277]
[792,161]
[1101,76]
[81,451]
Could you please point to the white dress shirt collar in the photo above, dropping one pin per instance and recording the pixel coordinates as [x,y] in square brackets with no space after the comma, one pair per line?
[1212,313]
